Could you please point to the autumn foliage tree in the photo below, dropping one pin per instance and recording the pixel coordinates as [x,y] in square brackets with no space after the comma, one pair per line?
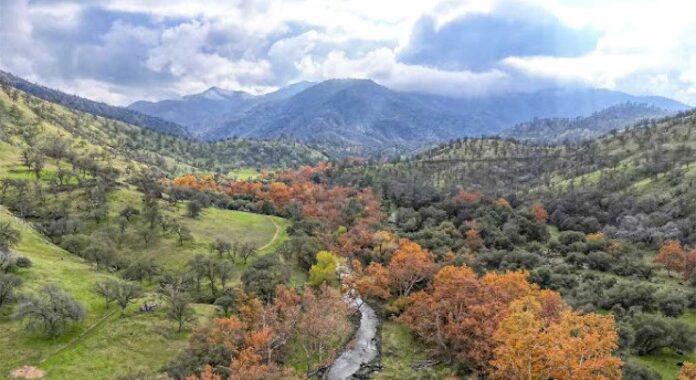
[410,265]
[540,213]
[671,256]
[688,371]
[690,267]
[472,320]
[541,341]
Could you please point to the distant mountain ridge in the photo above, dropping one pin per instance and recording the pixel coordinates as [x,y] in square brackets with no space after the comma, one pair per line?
[559,130]
[354,116]
[95,108]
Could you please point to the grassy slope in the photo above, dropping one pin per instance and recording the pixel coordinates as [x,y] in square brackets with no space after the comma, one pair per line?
[105,343]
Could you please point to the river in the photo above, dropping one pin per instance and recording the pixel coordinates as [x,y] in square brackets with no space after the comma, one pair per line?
[364,349]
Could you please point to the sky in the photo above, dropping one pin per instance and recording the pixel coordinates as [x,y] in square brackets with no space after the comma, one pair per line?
[120,51]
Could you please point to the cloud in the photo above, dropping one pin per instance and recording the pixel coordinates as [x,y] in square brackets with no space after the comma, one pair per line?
[478,41]
[125,50]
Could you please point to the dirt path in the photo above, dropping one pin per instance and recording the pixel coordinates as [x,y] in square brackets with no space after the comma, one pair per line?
[79,337]
[275,235]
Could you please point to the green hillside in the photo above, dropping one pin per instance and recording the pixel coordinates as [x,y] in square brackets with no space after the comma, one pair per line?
[90,170]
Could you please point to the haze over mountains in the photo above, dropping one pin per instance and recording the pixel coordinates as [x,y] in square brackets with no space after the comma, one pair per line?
[361,115]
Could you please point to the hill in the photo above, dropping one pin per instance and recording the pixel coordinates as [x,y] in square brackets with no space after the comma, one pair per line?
[557,130]
[167,152]
[92,107]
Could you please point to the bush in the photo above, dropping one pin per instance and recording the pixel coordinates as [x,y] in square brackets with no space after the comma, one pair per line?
[672,303]
[23,262]
[636,371]
[599,260]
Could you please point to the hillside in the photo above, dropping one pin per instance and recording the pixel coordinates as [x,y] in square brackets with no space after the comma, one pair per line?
[66,179]
[92,107]
[558,130]
[167,152]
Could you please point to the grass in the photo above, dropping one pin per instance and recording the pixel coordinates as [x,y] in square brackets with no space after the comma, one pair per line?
[245,173]
[401,352]
[263,231]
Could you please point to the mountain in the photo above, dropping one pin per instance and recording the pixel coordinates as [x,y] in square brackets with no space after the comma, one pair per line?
[210,109]
[95,108]
[555,130]
[350,116]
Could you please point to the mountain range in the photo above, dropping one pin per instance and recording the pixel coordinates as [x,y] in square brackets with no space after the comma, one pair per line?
[345,116]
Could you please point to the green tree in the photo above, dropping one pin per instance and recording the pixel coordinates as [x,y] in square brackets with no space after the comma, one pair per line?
[52,311]
[324,271]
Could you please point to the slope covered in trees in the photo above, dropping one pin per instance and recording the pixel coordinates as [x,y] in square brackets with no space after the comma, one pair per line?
[560,130]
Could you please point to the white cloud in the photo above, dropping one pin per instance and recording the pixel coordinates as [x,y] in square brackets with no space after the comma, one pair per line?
[647,47]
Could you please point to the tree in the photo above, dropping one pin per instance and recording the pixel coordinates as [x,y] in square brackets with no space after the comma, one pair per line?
[182,232]
[540,213]
[52,311]
[101,253]
[374,282]
[324,271]
[323,324]
[226,302]
[106,290]
[533,343]
[193,209]
[244,251]
[8,285]
[409,266]
[671,256]
[264,275]
[473,239]
[141,270]
[690,267]
[459,312]
[179,305]
[688,371]
[124,292]
[9,236]
[221,247]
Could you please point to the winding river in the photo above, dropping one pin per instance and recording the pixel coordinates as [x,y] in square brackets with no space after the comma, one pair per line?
[364,349]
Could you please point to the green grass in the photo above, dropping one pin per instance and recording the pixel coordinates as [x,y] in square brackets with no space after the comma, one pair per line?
[401,352]
[245,173]
[666,362]
[263,231]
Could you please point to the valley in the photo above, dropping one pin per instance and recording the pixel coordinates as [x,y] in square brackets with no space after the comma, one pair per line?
[238,242]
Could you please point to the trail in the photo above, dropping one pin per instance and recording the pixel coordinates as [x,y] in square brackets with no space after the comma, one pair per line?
[79,337]
[275,235]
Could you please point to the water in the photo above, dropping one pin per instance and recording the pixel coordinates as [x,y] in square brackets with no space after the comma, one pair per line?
[364,349]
